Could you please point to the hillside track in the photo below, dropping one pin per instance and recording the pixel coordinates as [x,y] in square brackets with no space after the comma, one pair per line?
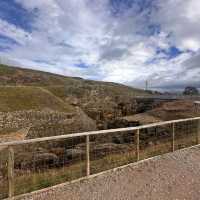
[171,176]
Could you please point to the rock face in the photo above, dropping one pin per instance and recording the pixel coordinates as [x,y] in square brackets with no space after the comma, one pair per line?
[78,122]
[22,119]
[105,111]
[108,108]
[105,106]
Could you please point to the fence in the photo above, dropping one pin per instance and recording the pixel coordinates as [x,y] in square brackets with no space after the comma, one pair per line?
[33,164]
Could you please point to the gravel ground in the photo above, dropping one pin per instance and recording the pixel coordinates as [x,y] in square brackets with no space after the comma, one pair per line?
[174,176]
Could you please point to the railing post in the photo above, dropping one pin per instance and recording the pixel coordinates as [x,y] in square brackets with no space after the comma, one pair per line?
[87,155]
[10,172]
[173,137]
[138,144]
[198,132]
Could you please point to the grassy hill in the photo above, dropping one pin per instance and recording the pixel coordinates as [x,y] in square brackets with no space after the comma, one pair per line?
[11,76]
[16,98]
[99,100]
[62,86]
[18,76]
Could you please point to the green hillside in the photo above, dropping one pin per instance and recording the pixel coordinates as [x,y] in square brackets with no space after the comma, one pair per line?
[13,98]
[26,77]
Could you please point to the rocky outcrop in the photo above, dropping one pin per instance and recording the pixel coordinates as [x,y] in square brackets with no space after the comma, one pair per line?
[108,109]
[104,108]
[79,122]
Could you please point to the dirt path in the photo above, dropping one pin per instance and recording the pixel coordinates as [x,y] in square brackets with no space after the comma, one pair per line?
[170,177]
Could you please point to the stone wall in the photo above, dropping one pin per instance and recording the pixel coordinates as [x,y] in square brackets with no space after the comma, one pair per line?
[65,124]
[22,119]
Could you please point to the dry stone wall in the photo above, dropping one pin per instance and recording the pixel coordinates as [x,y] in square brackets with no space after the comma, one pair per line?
[23,119]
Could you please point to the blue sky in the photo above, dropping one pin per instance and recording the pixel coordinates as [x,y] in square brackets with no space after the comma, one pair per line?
[124,41]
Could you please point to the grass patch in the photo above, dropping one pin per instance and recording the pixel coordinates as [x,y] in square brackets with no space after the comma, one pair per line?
[29,98]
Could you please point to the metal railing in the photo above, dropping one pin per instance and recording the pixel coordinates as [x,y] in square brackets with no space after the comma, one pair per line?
[83,154]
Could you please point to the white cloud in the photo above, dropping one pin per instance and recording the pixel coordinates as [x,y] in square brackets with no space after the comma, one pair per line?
[115,48]
[191,44]
[11,31]
[180,19]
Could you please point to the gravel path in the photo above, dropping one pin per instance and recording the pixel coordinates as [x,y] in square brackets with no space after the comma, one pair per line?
[174,176]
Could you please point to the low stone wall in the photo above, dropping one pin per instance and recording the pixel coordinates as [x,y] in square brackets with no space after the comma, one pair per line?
[22,119]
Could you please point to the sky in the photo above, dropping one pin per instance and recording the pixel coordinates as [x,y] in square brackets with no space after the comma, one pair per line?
[123,41]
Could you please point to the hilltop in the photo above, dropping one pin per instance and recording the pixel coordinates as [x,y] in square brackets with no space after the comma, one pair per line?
[27,77]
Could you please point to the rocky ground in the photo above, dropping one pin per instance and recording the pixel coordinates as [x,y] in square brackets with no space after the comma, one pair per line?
[172,176]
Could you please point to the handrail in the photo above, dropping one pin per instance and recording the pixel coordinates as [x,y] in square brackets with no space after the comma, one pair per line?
[67,136]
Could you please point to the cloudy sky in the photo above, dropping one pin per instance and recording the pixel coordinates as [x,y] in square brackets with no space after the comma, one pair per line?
[124,41]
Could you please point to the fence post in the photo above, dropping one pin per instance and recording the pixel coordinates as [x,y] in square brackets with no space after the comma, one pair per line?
[173,137]
[10,171]
[138,144]
[198,132]
[87,155]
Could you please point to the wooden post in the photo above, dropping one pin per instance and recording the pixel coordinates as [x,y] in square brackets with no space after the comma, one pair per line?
[198,132]
[173,137]
[10,171]
[138,145]
[87,155]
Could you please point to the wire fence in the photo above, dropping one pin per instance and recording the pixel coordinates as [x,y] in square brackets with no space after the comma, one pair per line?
[33,164]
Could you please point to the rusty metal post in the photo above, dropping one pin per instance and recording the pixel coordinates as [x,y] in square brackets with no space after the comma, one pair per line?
[198,132]
[10,172]
[138,145]
[87,155]
[173,137]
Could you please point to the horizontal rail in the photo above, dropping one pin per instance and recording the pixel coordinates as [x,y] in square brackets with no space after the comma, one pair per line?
[67,136]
